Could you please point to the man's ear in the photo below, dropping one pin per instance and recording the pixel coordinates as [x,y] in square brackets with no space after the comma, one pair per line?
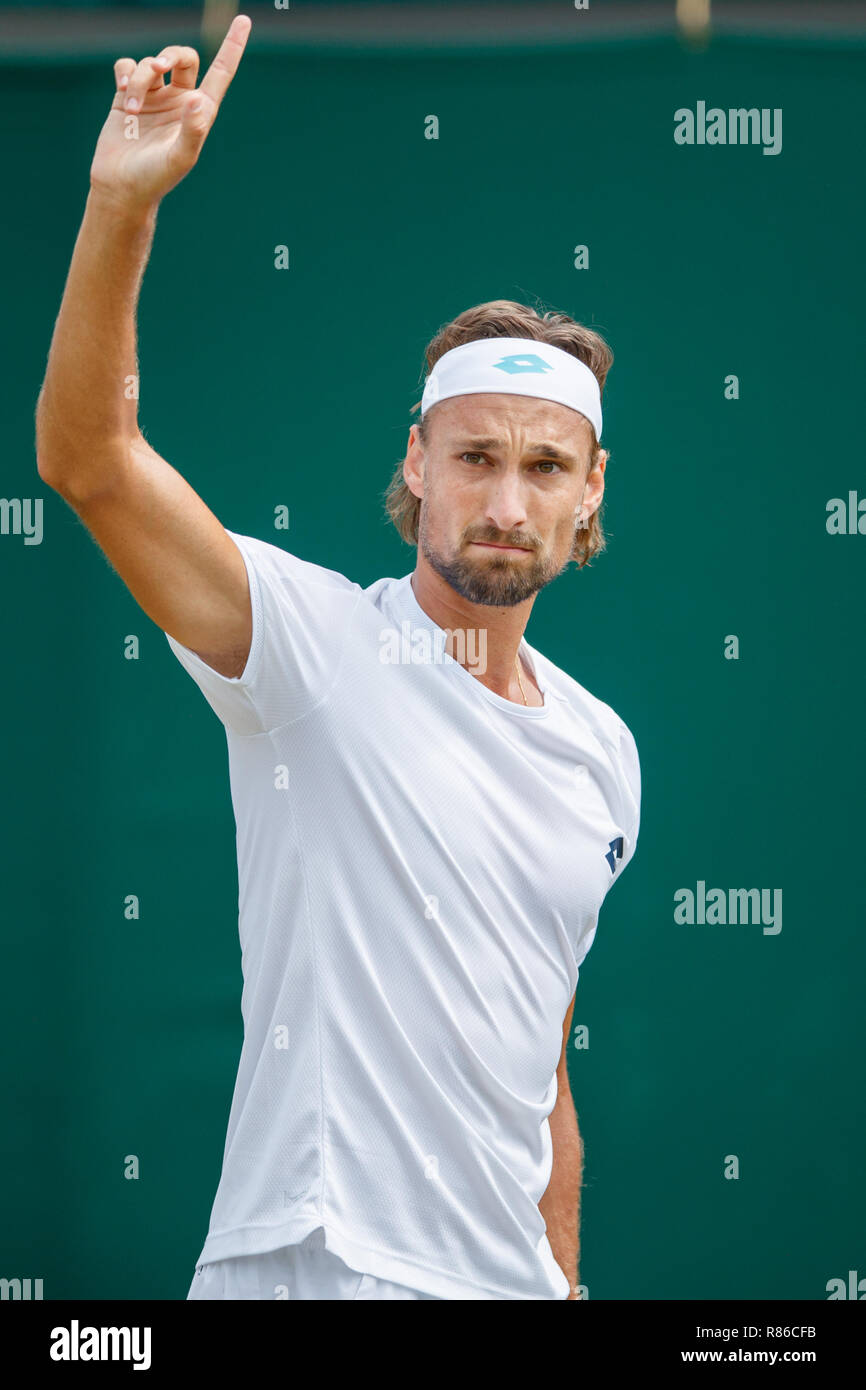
[595,489]
[413,464]
[600,463]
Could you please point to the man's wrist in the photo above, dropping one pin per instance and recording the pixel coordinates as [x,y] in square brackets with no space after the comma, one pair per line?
[107,202]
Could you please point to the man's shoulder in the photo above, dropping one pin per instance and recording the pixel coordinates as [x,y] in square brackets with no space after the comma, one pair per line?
[599,714]
[612,733]
[277,563]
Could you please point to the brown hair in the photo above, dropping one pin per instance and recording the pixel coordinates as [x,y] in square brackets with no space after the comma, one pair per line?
[505,318]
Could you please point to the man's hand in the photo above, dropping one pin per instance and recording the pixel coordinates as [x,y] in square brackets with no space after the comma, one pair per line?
[155,130]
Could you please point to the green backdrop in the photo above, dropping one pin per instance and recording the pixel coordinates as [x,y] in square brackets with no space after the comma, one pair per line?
[268,387]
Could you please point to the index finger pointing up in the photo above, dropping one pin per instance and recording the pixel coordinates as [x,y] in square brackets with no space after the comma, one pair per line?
[216,80]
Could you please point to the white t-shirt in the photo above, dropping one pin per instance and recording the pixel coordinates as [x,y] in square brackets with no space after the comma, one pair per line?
[421,865]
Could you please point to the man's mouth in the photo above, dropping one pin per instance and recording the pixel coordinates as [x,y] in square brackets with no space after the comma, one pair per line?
[491,545]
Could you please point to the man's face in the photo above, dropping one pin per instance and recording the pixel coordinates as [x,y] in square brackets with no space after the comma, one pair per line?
[502,482]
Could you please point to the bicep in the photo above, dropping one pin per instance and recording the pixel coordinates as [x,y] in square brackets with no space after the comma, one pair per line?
[174,556]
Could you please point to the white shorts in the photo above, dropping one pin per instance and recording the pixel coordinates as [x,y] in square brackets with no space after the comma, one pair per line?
[305,1270]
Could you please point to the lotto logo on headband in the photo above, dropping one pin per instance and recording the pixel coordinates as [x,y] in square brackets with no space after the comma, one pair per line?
[529,362]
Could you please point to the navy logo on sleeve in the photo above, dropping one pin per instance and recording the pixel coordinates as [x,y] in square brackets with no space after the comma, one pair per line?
[615,852]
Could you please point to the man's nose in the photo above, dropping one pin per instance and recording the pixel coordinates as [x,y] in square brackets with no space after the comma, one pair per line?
[506,508]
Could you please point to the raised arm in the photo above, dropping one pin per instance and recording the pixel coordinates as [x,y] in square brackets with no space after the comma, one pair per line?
[173,554]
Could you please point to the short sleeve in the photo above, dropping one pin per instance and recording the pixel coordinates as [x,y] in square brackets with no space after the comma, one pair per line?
[302,615]
[626,766]
[630,782]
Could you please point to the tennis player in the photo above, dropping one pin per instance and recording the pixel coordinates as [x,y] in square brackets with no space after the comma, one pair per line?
[429,812]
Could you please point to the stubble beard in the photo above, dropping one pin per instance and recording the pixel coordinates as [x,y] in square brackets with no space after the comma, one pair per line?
[499,581]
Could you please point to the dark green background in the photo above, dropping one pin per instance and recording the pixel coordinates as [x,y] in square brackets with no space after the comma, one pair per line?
[266,387]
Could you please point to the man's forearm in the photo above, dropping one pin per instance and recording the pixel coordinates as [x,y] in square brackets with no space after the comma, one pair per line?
[88,407]
[560,1205]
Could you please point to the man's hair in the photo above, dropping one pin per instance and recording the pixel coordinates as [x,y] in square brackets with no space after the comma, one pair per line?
[504,318]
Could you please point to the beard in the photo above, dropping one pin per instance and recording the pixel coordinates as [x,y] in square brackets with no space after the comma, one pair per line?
[497,580]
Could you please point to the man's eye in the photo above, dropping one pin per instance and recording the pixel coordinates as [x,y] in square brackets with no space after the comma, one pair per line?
[545,463]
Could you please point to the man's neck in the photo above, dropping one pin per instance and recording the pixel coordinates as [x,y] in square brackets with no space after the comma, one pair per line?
[483,638]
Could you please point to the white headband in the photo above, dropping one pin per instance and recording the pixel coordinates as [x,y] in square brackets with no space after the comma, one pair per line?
[516,367]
